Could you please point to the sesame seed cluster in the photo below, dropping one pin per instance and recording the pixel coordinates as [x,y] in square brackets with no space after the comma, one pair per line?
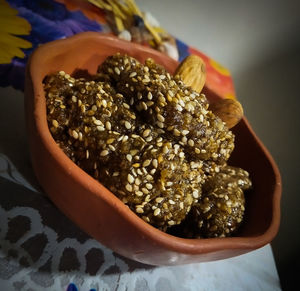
[221,208]
[142,133]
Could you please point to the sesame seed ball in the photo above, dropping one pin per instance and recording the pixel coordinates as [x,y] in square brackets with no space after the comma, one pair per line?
[179,112]
[221,208]
[156,181]
[87,119]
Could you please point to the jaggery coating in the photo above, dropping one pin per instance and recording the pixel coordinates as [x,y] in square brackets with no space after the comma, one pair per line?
[221,208]
[100,132]
[179,112]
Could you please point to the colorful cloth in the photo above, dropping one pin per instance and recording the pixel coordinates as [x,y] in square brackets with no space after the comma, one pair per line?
[50,20]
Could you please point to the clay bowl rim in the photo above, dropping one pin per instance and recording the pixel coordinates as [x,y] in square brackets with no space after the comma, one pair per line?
[183,245]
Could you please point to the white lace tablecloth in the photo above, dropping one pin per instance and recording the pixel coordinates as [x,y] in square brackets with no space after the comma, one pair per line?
[40,249]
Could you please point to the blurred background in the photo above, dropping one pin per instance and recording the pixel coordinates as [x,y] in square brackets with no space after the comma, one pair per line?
[259,42]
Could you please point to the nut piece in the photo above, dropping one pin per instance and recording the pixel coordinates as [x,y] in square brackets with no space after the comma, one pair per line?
[192,71]
[229,110]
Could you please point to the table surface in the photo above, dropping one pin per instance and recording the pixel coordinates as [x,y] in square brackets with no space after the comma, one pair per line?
[41,249]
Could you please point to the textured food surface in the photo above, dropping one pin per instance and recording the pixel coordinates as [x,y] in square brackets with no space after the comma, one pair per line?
[146,136]
[221,208]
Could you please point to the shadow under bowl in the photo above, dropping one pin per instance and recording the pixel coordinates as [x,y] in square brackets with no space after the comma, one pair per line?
[102,215]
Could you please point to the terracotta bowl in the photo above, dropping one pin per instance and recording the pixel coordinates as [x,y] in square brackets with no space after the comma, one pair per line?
[96,210]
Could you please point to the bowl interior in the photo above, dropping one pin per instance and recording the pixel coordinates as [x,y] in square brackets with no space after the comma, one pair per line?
[87,51]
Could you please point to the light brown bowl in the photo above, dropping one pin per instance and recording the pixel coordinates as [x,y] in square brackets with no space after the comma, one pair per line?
[96,210]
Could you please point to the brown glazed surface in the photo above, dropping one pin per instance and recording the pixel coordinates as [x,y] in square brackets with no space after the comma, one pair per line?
[96,210]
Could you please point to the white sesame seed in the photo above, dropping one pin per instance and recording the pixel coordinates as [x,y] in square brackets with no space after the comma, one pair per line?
[196,194]
[128,187]
[97,122]
[149,103]
[181,102]
[115,174]
[160,124]
[181,154]
[156,212]
[137,181]
[104,153]
[145,191]
[139,210]
[112,147]
[201,118]
[171,222]
[159,199]
[127,124]
[75,134]
[197,151]
[74,99]
[149,186]
[55,123]
[185,132]
[160,117]
[149,96]
[176,132]
[100,128]
[171,202]
[129,157]
[139,193]
[149,177]
[125,105]
[144,105]
[165,150]
[108,125]
[178,107]
[191,142]
[133,74]
[117,70]
[130,178]
[155,163]
[146,163]
[171,93]
[146,132]
[214,155]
